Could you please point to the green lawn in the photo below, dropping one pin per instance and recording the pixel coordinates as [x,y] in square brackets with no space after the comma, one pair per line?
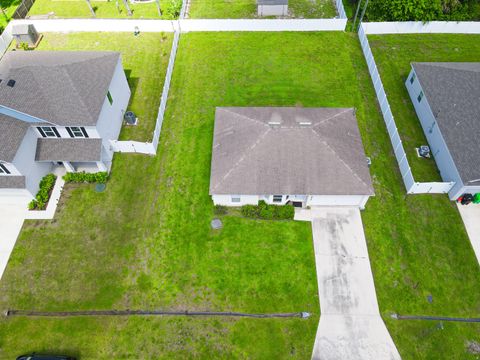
[393,55]
[7,8]
[243,9]
[146,242]
[103,9]
[145,60]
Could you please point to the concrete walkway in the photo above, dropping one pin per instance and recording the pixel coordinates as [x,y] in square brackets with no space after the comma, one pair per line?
[11,221]
[350,323]
[471,218]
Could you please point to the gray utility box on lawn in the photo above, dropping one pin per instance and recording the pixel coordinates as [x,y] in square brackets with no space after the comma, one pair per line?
[272,7]
[25,33]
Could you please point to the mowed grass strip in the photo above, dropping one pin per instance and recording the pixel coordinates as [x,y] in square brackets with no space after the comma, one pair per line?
[393,56]
[146,242]
[103,9]
[144,58]
[245,9]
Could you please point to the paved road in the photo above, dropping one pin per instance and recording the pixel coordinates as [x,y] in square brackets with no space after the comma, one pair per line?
[11,221]
[350,323]
[471,218]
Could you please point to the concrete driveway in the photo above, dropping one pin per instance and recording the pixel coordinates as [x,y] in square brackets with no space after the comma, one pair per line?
[471,218]
[350,323]
[11,221]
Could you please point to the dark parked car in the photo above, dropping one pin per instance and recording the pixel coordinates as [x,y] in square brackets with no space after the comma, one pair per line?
[44,357]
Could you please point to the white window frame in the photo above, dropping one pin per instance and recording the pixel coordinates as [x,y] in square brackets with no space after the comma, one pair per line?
[276,200]
[412,79]
[48,131]
[77,131]
[236,199]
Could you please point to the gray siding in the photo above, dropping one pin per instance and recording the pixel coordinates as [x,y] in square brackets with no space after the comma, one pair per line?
[438,147]
[111,116]
[25,162]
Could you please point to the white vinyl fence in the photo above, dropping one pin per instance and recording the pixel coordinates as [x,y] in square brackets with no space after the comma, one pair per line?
[411,185]
[418,27]
[5,39]
[166,88]
[340,9]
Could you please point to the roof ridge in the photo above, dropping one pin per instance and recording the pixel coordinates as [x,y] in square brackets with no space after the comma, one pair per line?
[80,97]
[339,158]
[244,116]
[332,117]
[244,155]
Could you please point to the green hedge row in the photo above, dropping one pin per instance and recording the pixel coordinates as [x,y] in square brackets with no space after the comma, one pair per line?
[268,212]
[83,177]
[46,186]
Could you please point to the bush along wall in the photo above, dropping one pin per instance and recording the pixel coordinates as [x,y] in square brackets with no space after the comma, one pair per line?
[268,212]
[43,196]
[83,177]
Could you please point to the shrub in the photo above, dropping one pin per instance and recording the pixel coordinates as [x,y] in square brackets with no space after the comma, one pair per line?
[268,212]
[173,10]
[83,177]
[43,195]
[24,46]
[220,210]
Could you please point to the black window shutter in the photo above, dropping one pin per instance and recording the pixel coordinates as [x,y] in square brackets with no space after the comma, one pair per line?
[41,132]
[84,132]
[55,131]
[70,132]
[5,170]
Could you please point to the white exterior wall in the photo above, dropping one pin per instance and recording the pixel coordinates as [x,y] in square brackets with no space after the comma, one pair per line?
[226,200]
[438,147]
[311,200]
[337,200]
[272,10]
[110,120]
[26,165]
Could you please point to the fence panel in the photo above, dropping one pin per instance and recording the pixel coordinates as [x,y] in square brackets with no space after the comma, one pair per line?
[5,39]
[133,147]
[340,9]
[418,27]
[23,9]
[93,25]
[431,188]
[188,25]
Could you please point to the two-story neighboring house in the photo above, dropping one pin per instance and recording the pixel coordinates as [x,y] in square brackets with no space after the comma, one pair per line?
[57,109]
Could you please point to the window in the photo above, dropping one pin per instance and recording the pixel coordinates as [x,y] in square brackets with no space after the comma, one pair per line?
[4,170]
[420,96]
[109,97]
[77,132]
[48,131]
[412,79]
[235,199]
[277,198]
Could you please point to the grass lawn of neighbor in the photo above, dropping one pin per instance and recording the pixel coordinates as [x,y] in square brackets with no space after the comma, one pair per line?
[105,9]
[244,9]
[393,55]
[146,242]
[7,8]
[145,59]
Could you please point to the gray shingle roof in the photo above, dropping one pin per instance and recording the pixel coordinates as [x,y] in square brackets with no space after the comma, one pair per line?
[12,132]
[12,182]
[55,149]
[280,150]
[65,88]
[453,93]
